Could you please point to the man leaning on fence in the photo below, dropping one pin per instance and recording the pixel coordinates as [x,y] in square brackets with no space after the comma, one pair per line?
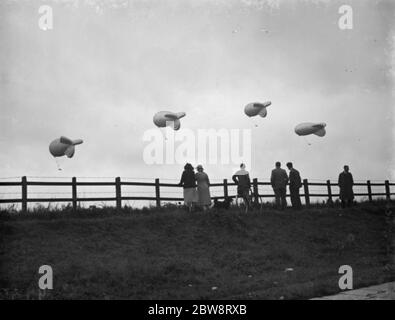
[242,179]
[279,180]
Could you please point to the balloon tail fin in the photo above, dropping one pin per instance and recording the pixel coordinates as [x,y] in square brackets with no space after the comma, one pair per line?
[320,132]
[176,124]
[180,115]
[263,113]
[77,141]
[70,152]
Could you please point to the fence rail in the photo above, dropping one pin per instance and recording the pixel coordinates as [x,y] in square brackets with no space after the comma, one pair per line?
[118,198]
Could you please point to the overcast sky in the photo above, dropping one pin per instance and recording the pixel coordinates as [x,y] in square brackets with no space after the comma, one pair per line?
[102,73]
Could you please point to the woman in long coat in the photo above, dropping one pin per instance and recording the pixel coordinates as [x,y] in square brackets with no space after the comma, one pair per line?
[188,182]
[203,188]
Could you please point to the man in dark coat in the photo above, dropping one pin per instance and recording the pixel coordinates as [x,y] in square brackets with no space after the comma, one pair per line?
[279,180]
[346,183]
[295,183]
[242,179]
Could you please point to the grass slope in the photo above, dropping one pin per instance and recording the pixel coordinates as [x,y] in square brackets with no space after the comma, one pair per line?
[170,254]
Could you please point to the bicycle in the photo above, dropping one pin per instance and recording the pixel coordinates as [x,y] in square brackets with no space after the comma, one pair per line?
[249,202]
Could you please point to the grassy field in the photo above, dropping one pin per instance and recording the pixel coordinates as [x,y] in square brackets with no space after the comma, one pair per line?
[171,254]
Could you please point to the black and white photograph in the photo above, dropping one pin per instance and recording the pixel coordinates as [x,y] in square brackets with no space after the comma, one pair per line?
[201,155]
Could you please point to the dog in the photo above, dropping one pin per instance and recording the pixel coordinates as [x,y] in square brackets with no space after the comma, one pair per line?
[222,204]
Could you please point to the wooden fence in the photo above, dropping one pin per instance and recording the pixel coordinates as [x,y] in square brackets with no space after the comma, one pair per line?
[117,184]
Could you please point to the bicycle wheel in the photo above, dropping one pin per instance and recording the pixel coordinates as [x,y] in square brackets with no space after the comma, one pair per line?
[242,204]
[256,202]
[259,203]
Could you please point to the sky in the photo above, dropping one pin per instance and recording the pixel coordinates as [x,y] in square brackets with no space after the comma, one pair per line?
[106,68]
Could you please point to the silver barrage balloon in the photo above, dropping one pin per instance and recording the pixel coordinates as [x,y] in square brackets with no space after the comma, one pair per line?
[168,119]
[63,147]
[257,108]
[306,128]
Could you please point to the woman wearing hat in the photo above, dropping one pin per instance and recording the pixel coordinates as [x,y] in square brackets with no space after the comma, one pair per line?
[203,188]
[188,182]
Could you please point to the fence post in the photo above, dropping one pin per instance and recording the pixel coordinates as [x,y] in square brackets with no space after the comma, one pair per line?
[24,194]
[306,192]
[387,190]
[369,191]
[157,192]
[74,192]
[118,193]
[328,185]
[255,184]
[225,188]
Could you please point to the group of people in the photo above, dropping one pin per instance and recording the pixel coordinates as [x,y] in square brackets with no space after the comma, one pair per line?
[196,186]
[279,180]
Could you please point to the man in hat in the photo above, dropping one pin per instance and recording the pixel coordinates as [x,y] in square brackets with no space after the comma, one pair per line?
[279,180]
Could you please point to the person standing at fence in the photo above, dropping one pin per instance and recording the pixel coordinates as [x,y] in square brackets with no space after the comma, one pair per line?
[188,182]
[346,183]
[295,183]
[279,180]
[203,188]
[242,179]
